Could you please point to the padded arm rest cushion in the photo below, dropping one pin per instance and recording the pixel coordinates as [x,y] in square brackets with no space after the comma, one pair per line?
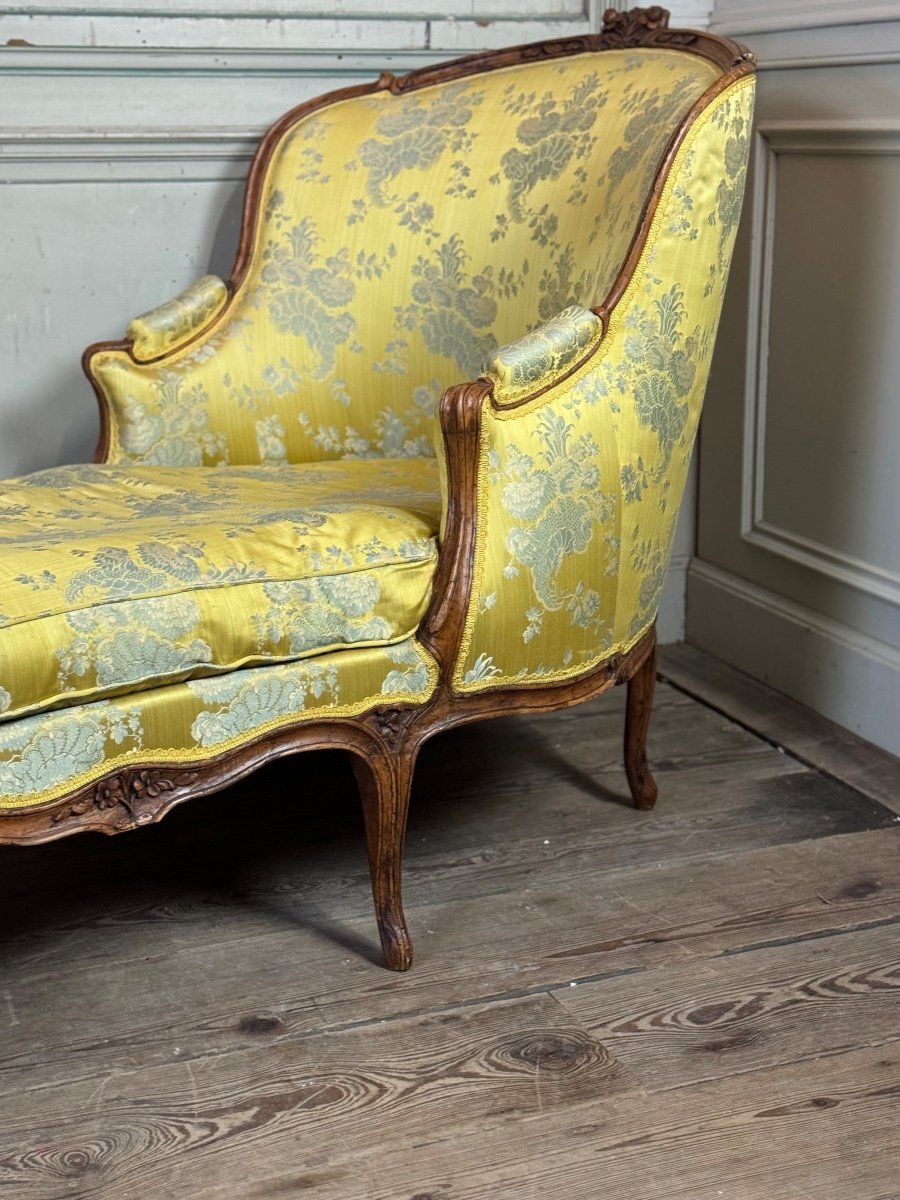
[544,356]
[163,328]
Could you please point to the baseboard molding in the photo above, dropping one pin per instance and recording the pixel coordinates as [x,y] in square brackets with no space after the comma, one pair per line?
[845,675]
[670,622]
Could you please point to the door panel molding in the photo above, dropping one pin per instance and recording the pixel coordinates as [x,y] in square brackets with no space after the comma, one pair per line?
[773,139]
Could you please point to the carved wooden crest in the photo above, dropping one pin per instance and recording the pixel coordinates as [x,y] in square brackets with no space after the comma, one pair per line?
[632,27]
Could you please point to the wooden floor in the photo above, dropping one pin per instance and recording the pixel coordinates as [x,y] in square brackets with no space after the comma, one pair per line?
[698,1002]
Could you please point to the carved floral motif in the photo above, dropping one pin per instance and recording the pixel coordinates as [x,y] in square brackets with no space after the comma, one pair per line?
[393,724]
[631,28]
[125,789]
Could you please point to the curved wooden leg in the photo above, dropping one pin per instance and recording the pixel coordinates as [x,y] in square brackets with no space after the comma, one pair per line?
[385,782]
[637,722]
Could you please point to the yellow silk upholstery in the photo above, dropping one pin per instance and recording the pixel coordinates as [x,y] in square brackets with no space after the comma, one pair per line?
[579,489]
[260,546]
[178,320]
[402,239]
[137,576]
[44,756]
[544,356]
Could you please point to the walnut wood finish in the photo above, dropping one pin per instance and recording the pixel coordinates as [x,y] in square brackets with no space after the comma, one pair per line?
[385,784]
[641,686]
[385,742]
[460,417]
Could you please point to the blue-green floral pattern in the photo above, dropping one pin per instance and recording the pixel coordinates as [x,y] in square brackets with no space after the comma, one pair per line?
[558,499]
[173,427]
[411,674]
[120,645]
[580,487]
[38,753]
[269,564]
[249,699]
[43,756]
[454,310]
[178,319]
[413,138]
[556,131]
[543,356]
[379,269]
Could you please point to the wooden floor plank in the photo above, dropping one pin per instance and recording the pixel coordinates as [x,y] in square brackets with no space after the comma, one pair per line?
[541,938]
[478,1064]
[197,1010]
[750,1010]
[812,737]
[825,1129]
[629,920]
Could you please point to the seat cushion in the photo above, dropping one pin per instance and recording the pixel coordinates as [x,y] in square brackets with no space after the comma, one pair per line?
[116,579]
[50,754]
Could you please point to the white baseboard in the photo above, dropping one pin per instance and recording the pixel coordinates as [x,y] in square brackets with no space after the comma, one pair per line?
[846,675]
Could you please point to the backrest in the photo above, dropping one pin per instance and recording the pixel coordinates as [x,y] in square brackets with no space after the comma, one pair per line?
[395,236]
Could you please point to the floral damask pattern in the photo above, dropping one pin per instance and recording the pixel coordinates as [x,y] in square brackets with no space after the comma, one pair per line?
[558,503]
[555,133]
[37,754]
[453,309]
[113,602]
[173,427]
[542,356]
[43,756]
[580,487]
[249,699]
[306,291]
[376,272]
[415,137]
[120,645]
[411,673]
[270,439]
[178,319]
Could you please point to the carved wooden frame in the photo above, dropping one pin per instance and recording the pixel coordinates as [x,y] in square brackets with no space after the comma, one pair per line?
[385,741]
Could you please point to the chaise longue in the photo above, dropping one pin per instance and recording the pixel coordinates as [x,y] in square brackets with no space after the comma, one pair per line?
[417,462]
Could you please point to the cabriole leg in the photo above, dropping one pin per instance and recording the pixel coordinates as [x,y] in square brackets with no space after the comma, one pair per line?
[637,722]
[385,782]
